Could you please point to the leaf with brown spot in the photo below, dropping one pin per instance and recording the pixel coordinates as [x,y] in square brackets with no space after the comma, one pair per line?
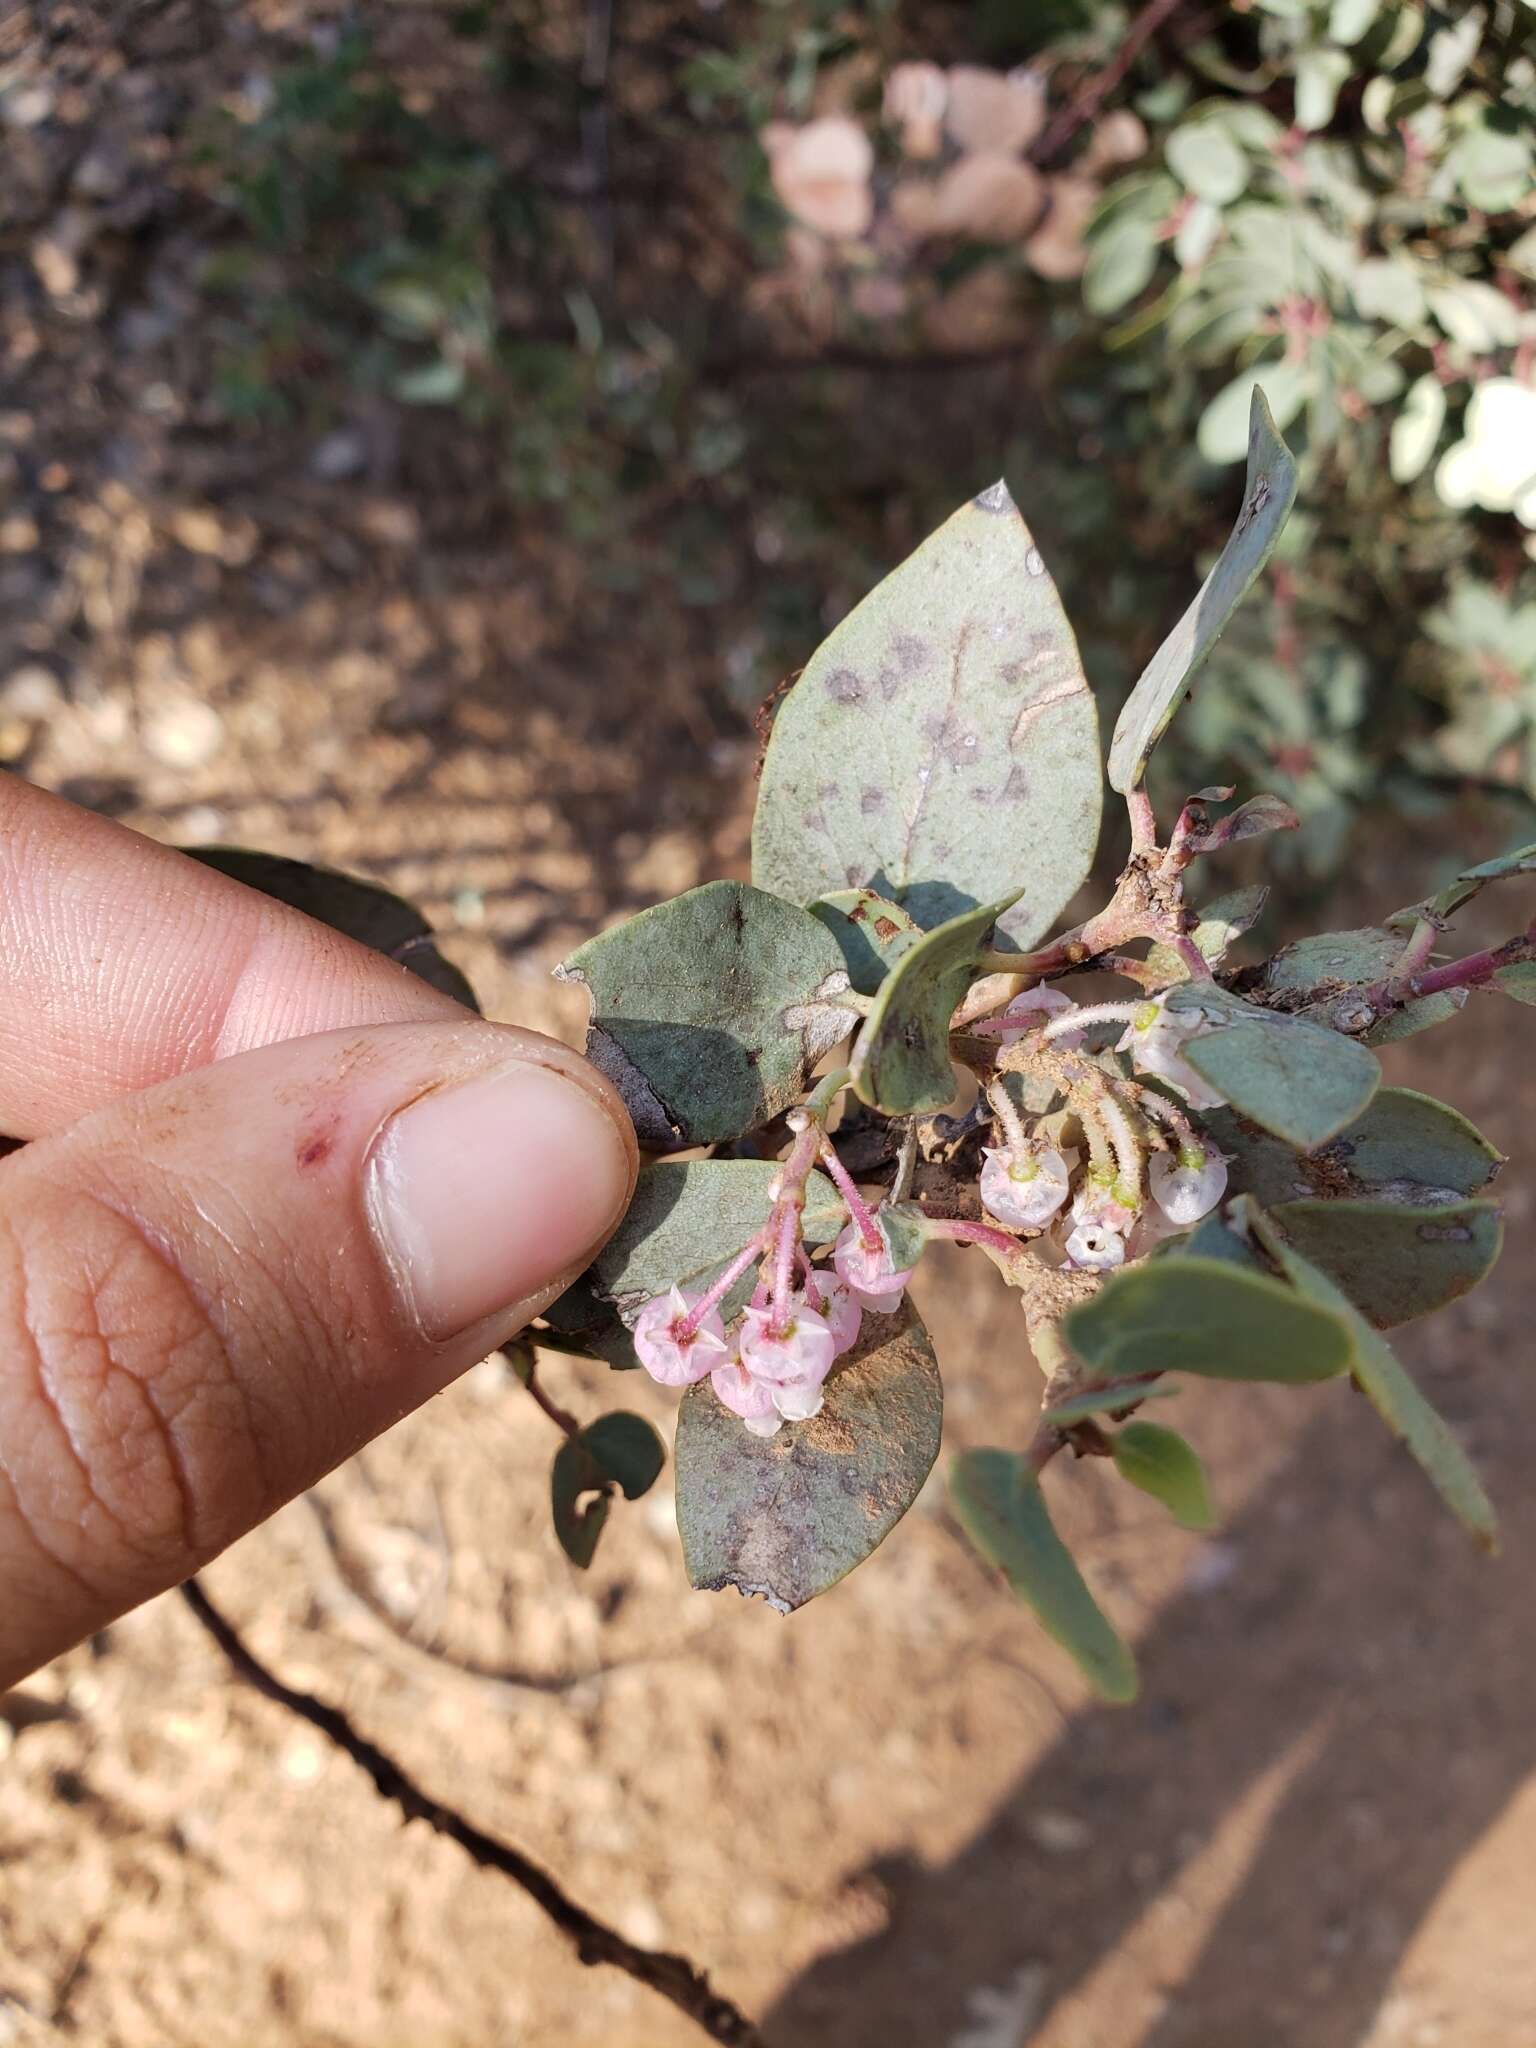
[957,692]
[787,1516]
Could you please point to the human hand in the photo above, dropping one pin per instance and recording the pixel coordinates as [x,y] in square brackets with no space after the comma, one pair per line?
[280,1192]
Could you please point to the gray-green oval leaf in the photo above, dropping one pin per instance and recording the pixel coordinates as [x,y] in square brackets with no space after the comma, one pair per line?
[1206,161]
[1300,1080]
[944,727]
[1390,1391]
[1396,1261]
[1161,1463]
[901,1061]
[1269,491]
[998,1502]
[708,1012]
[787,1516]
[1205,1316]
[1416,429]
[1406,1147]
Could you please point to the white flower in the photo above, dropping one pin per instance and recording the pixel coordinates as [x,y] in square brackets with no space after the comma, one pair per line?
[1105,1200]
[1155,1038]
[1026,1193]
[876,1282]
[751,1399]
[674,1360]
[844,1313]
[915,97]
[1188,1185]
[795,1356]
[1095,1247]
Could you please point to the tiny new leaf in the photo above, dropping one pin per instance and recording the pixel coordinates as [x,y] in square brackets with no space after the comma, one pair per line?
[901,1060]
[1521,860]
[1268,493]
[1161,1463]
[1207,1316]
[787,1516]
[1388,1388]
[1222,922]
[942,733]
[999,1504]
[1298,1079]
[708,1012]
[364,911]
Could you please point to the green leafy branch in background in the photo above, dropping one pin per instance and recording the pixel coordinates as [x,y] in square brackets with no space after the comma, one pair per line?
[1105,245]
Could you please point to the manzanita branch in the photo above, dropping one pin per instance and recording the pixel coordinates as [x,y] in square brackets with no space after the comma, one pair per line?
[1473,970]
[560,1417]
[1092,94]
[673,1977]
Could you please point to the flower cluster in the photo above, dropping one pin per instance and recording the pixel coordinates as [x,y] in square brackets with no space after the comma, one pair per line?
[1147,1172]
[769,1367]
[1139,1141]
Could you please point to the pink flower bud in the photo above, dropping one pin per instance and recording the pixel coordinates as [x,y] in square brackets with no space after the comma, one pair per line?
[751,1399]
[870,1274]
[844,1314]
[1187,1186]
[799,1355]
[1039,1006]
[1025,1193]
[1095,1247]
[1154,1039]
[674,1360]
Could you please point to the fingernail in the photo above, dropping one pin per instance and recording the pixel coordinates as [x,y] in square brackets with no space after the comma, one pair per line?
[486,1193]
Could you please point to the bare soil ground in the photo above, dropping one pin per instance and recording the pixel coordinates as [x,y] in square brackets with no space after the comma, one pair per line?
[893,1819]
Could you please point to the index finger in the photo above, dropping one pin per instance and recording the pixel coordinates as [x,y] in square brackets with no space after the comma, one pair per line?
[123,963]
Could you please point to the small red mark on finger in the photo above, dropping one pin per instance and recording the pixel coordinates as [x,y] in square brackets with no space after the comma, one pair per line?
[316,1145]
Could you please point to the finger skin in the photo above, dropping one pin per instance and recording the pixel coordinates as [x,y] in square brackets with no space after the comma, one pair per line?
[197,1316]
[123,963]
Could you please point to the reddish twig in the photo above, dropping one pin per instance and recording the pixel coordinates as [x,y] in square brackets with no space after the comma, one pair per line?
[673,1977]
[1473,970]
[1093,92]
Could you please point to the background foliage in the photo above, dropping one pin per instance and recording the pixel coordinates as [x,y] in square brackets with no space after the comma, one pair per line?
[780,223]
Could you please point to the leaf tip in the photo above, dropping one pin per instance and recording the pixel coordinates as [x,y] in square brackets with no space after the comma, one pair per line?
[995,498]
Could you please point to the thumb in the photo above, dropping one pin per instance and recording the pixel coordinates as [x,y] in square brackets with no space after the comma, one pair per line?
[213,1291]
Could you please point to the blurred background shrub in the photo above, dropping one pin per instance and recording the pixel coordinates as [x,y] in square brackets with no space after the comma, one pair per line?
[736,300]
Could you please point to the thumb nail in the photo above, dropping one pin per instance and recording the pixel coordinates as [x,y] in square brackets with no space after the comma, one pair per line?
[488,1193]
